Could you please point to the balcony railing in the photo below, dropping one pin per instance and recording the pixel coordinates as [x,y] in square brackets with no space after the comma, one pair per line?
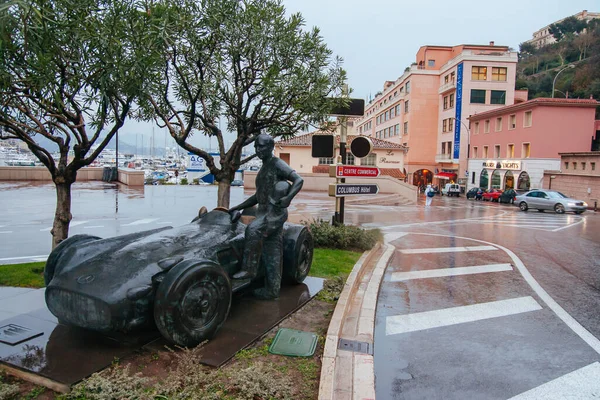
[446,87]
[444,157]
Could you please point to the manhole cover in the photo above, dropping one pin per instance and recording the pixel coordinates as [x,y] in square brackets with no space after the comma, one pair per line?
[290,342]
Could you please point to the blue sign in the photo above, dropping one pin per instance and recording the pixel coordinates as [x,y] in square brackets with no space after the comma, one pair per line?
[457,115]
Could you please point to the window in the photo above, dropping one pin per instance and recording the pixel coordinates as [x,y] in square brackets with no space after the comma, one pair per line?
[476,127]
[392,115]
[452,74]
[485,151]
[512,124]
[398,109]
[499,74]
[498,124]
[486,126]
[450,124]
[477,96]
[406,128]
[566,165]
[583,166]
[527,119]
[452,100]
[526,150]
[478,73]
[497,151]
[444,125]
[593,166]
[510,151]
[431,63]
[475,155]
[443,147]
[498,97]
[446,79]
[323,160]
[350,160]
[574,165]
[407,87]
[369,160]
[397,130]
[473,178]
[445,102]
[406,106]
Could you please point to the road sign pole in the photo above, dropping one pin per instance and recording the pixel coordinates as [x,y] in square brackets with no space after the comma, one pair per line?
[343,137]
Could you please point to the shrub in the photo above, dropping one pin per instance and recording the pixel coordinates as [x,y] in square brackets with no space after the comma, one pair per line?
[345,237]
[196,181]
[184,181]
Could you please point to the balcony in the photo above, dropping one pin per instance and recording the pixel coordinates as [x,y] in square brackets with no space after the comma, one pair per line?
[447,87]
[443,158]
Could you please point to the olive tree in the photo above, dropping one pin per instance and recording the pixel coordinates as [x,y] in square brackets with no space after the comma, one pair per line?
[244,62]
[69,72]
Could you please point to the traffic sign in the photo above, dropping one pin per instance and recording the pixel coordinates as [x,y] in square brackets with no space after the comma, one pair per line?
[361,146]
[346,171]
[351,189]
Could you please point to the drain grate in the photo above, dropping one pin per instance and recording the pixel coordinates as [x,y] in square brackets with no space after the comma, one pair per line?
[290,342]
[353,345]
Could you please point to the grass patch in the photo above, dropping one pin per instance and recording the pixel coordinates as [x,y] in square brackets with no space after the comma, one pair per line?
[23,275]
[329,263]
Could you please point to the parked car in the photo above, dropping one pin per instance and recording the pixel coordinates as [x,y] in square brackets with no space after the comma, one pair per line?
[508,196]
[237,182]
[451,189]
[542,200]
[475,193]
[492,195]
[176,279]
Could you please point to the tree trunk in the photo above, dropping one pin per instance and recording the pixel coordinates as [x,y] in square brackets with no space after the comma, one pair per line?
[62,216]
[223,195]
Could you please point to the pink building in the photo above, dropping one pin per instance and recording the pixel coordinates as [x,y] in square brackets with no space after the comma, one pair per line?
[424,108]
[512,146]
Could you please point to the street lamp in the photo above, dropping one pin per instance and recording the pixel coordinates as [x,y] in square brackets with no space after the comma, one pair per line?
[468,146]
[556,76]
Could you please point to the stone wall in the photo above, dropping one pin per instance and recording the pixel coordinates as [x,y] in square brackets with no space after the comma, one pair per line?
[580,187]
[127,176]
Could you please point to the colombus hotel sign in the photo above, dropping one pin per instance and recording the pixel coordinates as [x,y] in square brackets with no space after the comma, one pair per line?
[512,165]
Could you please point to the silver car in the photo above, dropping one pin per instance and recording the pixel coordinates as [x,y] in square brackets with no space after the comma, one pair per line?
[549,200]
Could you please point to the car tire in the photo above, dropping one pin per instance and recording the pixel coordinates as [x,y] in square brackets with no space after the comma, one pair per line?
[60,250]
[578,212]
[298,247]
[559,208]
[192,302]
[523,206]
[540,210]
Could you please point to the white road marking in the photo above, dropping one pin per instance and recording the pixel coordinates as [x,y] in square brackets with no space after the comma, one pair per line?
[569,226]
[93,227]
[543,227]
[457,315]
[438,273]
[72,224]
[6,231]
[575,326]
[164,223]
[447,249]
[22,258]
[583,383]
[141,221]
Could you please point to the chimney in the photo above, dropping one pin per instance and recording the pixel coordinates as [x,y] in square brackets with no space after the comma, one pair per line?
[492,43]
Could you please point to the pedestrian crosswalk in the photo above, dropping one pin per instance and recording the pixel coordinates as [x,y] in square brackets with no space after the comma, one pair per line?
[538,221]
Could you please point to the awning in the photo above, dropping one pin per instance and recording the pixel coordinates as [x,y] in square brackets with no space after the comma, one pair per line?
[445,175]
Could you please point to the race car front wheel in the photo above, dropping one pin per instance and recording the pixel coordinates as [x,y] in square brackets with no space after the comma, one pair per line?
[192,302]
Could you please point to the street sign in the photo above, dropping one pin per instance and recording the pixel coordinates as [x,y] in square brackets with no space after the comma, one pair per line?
[346,171]
[351,189]
[322,146]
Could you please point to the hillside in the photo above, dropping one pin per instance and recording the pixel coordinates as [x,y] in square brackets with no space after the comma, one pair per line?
[578,44]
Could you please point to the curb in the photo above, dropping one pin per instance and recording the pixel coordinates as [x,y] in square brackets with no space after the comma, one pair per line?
[350,374]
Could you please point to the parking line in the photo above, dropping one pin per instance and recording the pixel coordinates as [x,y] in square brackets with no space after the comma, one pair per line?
[438,273]
[6,232]
[457,315]
[583,383]
[72,224]
[447,249]
[141,221]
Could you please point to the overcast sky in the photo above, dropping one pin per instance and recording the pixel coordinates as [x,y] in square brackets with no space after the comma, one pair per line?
[378,39]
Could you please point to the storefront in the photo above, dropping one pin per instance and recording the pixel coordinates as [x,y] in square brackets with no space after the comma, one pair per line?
[521,174]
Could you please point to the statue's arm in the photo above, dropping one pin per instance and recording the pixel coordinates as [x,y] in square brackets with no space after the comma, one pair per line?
[249,202]
[297,183]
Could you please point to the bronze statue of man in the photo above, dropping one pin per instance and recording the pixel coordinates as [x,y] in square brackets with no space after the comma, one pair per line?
[264,236]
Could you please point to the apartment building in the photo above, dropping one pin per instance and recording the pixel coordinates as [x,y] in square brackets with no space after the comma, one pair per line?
[426,108]
[512,146]
[542,37]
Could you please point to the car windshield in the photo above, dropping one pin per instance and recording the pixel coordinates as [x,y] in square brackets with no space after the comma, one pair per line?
[556,195]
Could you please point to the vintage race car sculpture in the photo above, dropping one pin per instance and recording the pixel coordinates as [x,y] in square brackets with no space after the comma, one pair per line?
[178,279]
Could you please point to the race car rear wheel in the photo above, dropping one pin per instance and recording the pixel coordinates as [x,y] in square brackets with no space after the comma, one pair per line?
[298,249]
[192,302]
[54,257]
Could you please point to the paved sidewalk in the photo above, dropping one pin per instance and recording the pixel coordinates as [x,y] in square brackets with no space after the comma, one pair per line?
[347,369]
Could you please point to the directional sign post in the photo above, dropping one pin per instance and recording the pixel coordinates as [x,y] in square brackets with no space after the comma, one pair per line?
[352,189]
[347,171]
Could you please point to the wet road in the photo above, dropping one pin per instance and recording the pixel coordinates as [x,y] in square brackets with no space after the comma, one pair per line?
[483,301]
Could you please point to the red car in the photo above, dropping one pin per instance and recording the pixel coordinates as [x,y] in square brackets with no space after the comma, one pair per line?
[492,195]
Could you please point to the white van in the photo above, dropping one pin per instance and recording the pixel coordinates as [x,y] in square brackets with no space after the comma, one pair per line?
[451,189]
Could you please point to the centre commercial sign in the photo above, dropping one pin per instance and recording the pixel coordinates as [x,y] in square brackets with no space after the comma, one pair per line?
[511,165]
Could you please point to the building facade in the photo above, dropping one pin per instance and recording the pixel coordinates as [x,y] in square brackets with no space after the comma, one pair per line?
[425,109]
[543,37]
[512,146]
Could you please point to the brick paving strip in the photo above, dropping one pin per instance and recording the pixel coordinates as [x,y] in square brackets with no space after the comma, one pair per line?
[347,375]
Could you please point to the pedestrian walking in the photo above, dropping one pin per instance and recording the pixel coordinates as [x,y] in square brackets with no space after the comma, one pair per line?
[429,193]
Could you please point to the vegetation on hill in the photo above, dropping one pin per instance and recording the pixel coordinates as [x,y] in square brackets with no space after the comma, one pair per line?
[578,43]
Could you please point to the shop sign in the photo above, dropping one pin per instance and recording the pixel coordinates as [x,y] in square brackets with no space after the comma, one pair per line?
[512,165]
